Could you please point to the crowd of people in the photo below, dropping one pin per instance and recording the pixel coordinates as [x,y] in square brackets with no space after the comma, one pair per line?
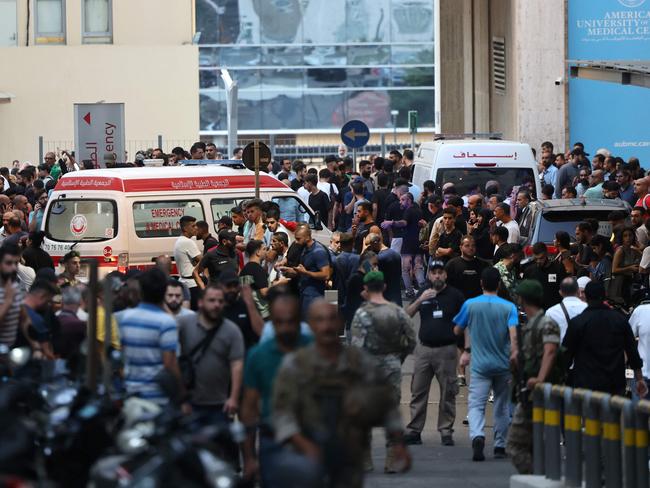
[246,323]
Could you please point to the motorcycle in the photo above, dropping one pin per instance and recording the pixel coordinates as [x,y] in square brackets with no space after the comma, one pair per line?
[55,429]
[162,447]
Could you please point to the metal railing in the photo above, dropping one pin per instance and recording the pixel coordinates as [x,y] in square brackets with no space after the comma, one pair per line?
[604,436]
[312,153]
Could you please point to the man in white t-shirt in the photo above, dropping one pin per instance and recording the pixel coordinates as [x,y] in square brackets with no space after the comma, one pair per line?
[324,184]
[502,214]
[304,194]
[640,323]
[569,307]
[187,255]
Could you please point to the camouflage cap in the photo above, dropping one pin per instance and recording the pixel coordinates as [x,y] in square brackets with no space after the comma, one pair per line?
[373,277]
[530,289]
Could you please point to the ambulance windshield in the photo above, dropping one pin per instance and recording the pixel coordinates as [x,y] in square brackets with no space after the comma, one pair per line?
[81,220]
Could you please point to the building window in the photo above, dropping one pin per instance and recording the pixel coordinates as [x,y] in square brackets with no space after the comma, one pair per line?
[50,21]
[312,65]
[97,22]
[8,31]
[162,218]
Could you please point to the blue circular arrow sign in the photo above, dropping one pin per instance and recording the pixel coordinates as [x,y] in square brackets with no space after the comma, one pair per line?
[355,134]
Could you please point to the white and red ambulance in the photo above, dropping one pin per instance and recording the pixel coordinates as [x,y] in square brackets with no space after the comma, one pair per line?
[125,217]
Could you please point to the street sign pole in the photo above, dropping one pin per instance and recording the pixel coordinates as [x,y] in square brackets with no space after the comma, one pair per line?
[413,127]
[256,148]
[231,110]
[256,154]
[355,134]
[92,357]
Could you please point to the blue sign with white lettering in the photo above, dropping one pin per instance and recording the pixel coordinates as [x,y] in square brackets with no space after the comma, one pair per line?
[612,30]
[355,134]
[616,126]
[604,114]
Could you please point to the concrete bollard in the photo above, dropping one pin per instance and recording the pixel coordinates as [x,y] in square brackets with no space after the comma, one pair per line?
[552,455]
[593,461]
[629,449]
[538,431]
[641,448]
[573,439]
[611,443]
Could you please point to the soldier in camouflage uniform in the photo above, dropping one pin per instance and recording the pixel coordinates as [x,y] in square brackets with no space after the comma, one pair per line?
[384,330]
[505,267]
[537,356]
[327,397]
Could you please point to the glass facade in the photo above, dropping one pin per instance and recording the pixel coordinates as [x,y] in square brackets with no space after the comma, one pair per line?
[313,64]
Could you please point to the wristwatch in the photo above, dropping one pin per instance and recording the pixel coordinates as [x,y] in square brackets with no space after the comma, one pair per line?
[468,350]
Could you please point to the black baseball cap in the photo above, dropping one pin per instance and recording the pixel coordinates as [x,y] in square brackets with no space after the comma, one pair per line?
[436,264]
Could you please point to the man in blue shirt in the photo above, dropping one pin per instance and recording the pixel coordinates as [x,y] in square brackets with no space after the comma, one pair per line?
[549,173]
[314,269]
[260,370]
[149,340]
[289,206]
[37,303]
[489,326]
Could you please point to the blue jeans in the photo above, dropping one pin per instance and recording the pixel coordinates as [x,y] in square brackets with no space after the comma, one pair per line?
[307,296]
[479,389]
[412,265]
[281,467]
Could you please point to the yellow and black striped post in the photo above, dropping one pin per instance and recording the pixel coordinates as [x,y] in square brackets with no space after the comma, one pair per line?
[573,438]
[641,447]
[611,443]
[629,440]
[592,431]
[552,454]
[538,430]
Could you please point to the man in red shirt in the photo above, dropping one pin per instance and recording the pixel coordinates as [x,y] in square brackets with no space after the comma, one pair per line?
[641,191]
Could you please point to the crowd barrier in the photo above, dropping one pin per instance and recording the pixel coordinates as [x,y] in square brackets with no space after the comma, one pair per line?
[605,438]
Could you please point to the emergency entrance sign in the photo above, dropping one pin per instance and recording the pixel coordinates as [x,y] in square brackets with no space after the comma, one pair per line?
[99,133]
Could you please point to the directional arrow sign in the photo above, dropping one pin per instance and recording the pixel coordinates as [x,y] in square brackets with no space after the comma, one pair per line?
[355,134]
[87,118]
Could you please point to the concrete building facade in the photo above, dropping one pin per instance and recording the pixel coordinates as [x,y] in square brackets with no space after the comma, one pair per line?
[55,53]
[481,66]
[503,69]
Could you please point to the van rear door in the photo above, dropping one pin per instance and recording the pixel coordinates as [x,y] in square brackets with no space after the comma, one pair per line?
[470,166]
[423,164]
[469,180]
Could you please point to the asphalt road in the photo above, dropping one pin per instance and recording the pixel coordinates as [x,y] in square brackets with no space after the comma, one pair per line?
[435,465]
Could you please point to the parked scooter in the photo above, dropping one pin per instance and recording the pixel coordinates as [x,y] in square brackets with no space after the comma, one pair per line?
[162,447]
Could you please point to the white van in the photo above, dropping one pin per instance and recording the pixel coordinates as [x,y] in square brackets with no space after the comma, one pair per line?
[469,163]
[125,217]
